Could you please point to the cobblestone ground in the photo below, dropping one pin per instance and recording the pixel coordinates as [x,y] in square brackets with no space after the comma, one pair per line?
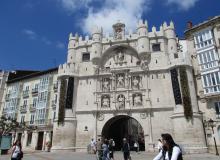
[85,156]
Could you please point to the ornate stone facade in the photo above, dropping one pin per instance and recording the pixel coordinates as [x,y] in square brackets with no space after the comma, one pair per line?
[125,90]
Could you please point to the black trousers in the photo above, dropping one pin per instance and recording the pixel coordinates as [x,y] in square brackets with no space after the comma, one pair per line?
[126,155]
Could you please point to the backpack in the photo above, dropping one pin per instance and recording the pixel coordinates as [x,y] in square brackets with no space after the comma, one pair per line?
[20,155]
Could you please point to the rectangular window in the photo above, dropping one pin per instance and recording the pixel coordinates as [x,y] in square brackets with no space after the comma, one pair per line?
[217,109]
[156,47]
[86,57]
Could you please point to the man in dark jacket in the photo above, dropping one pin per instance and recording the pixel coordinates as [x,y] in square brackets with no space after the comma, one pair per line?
[126,149]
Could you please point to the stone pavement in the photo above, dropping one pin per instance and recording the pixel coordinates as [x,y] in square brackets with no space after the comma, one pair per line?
[118,156]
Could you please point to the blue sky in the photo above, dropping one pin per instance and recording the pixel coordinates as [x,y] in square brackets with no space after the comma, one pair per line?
[34,33]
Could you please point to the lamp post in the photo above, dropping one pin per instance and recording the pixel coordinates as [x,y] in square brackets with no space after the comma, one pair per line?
[211,124]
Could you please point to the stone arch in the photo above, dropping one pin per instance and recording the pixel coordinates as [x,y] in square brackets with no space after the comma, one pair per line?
[111,51]
[124,126]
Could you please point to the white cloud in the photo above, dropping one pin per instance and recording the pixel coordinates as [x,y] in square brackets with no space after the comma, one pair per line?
[60,45]
[183,4]
[127,11]
[29,33]
[73,5]
[46,41]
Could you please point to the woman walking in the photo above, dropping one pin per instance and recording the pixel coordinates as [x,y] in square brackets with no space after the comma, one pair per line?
[17,153]
[170,150]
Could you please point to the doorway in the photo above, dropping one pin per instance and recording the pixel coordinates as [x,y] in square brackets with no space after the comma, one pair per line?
[123,126]
[40,140]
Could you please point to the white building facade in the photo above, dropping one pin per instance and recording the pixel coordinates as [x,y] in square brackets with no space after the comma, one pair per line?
[133,85]
[204,47]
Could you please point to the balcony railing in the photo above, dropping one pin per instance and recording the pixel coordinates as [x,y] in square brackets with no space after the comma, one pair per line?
[7,96]
[34,91]
[44,122]
[23,109]
[55,87]
[32,108]
[25,93]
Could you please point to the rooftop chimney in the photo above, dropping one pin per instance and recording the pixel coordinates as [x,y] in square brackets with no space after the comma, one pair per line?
[189,24]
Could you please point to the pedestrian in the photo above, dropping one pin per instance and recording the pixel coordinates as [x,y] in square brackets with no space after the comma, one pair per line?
[105,153]
[170,150]
[126,149]
[111,149]
[159,145]
[16,153]
[99,149]
[136,146]
[93,146]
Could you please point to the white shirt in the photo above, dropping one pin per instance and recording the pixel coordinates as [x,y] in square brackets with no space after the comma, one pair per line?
[16,151]
[175,154]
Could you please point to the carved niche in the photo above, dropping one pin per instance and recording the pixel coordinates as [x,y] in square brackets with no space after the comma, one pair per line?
[105,101]
[119,57]
[137,99]
[105,84]
[136,82]
[121,80]
[121,101]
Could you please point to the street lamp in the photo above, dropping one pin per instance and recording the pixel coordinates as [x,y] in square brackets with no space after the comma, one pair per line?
[212,125]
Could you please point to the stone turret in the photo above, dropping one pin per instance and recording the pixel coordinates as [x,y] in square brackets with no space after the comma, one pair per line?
[96,52]
[143,44]
[172,42]
[73,41]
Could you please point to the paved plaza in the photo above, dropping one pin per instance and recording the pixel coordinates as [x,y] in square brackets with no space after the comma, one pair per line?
[118,156]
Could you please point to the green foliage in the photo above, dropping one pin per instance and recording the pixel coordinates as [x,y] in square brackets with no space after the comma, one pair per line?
[187,105]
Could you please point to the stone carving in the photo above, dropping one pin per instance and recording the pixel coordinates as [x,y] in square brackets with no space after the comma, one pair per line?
[120,80]
[100,116]
[143,115]
[105,101]
[121,101]
[106,84]
[136,82]
[137,99]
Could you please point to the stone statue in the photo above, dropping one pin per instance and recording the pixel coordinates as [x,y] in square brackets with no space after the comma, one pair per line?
[121,101]
[105,101]
[137,99]
[135,82]
[120,82]
[106,84]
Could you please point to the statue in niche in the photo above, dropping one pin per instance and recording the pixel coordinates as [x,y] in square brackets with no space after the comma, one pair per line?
[137,99]
[120,56]
[120,80]
[105,101]
[121,101]
[106,84]
[136,81]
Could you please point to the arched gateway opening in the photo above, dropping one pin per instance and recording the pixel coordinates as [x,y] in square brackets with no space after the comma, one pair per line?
[122,126]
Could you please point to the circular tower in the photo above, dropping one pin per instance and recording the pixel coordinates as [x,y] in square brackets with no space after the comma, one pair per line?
[96,45]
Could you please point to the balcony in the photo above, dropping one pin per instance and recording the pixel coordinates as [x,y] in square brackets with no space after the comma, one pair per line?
[23,109]
[44,122]
[25,93]
[55,87]
[54,104]
[7,96]
[34,91]
[32,108]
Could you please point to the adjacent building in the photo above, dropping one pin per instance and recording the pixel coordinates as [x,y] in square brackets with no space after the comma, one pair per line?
[31,97]
[203,42]
[3,79]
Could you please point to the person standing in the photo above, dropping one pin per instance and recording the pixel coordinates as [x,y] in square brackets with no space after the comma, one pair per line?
[99,149]
[17,153]
[111,149]
[105,153]
[93,146]
[170,150]
[126,149]
[136,146]
[159,145]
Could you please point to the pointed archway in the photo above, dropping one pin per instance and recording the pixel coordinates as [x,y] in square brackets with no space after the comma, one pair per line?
[123,126]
